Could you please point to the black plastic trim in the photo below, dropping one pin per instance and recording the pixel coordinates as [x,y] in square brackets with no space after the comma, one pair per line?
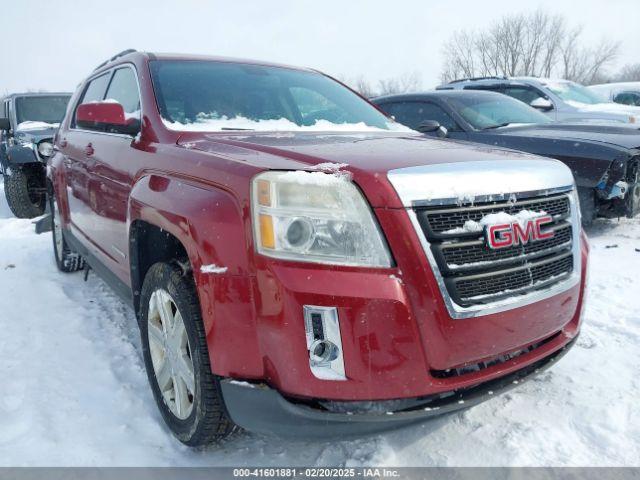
[119,287]
[259,408]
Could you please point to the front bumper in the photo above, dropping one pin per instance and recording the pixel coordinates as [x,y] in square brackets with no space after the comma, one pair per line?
[259,408]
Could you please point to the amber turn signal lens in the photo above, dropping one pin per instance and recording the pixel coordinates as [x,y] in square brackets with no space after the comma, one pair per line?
[267,235]
[264,193]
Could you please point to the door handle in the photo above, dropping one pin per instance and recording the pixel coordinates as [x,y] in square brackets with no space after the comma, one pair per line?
[88,150]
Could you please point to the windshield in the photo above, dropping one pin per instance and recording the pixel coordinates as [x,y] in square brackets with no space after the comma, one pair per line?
[495,110]
[219,96]
[42,109]
[573,92]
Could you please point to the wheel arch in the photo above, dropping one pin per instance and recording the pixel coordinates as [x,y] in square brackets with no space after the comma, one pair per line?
[176,219]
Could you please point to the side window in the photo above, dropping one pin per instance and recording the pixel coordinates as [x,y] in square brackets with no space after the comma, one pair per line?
[94,92]
[412,114]
[95,89]
[124,90]
[494,87]
[628,98]
[524,94]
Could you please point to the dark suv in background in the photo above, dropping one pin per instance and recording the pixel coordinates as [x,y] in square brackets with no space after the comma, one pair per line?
[604,159]
[28,122]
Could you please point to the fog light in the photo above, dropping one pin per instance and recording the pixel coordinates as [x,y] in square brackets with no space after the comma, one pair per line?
[324,343]
[322,351]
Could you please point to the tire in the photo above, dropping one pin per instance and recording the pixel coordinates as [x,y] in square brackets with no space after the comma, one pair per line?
[18,184]
[201,417]
[66,260]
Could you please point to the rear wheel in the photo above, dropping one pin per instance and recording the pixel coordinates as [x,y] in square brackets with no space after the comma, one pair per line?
[24,187]
[177,360]
[66,260]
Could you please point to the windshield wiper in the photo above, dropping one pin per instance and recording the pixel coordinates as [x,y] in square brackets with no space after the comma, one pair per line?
[493,127]
[238,129]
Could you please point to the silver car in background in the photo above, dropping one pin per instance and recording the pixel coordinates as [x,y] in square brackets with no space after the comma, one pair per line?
[561,100]
[626,93]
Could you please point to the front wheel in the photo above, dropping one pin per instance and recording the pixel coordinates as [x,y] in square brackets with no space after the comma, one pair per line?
[24,187]
[177,360]
[66,260]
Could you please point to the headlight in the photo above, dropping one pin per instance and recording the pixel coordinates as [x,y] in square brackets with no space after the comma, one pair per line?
[315,217]
[45,149]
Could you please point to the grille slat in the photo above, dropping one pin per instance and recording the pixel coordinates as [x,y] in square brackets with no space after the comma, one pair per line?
[440,222]
[476,254]
[475,274]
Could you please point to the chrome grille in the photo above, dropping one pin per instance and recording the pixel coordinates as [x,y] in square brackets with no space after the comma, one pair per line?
[474,274]
[441,221]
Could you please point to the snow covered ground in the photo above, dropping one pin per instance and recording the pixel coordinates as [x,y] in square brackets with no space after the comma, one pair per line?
[74,391]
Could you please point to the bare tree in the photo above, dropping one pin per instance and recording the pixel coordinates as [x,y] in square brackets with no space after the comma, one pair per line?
[363,87]
[408,82]
[537,44]
[629,73]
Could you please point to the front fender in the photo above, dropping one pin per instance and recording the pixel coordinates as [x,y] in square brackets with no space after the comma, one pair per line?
[214,230]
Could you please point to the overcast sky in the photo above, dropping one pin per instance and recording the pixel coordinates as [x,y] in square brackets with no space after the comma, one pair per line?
[52,45]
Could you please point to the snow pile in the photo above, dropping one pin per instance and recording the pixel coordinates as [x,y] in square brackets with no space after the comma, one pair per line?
[302,177]
[605,107]
[331,167]
[32,125]
[75,392]
[522,217]
[212,269]
[206,124]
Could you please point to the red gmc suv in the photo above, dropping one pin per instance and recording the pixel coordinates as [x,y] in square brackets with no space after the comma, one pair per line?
[298,262]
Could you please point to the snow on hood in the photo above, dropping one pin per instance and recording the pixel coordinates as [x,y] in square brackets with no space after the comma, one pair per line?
[605,107]
[204,124]
[31,125]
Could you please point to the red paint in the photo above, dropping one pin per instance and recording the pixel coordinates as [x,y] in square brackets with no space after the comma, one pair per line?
[100,113]
[196,186]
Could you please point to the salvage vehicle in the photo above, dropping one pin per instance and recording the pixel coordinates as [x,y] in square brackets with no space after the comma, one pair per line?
[604,159]
[626,93]
[299,263]
[27,124]
[560,100]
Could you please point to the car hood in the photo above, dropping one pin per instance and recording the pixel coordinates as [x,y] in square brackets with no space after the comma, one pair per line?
[367,156]
[33,132]
[620,136]
[606,107]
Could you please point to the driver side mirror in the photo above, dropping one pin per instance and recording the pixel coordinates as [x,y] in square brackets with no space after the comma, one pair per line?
[541,103]
[106,117]
[5,124]
[429,126]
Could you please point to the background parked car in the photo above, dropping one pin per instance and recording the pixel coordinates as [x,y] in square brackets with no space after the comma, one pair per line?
[605,160]
[560,99]
[28,122]
[626,93]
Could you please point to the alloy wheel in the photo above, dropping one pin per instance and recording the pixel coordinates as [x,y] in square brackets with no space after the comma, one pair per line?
[171,354]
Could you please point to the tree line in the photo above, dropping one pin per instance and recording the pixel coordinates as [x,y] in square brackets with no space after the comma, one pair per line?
[537,44]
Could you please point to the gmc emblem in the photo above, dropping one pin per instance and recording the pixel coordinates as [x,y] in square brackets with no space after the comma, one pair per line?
[511,234]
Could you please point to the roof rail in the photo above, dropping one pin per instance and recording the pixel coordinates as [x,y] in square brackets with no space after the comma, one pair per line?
[474,79]
[117,55]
